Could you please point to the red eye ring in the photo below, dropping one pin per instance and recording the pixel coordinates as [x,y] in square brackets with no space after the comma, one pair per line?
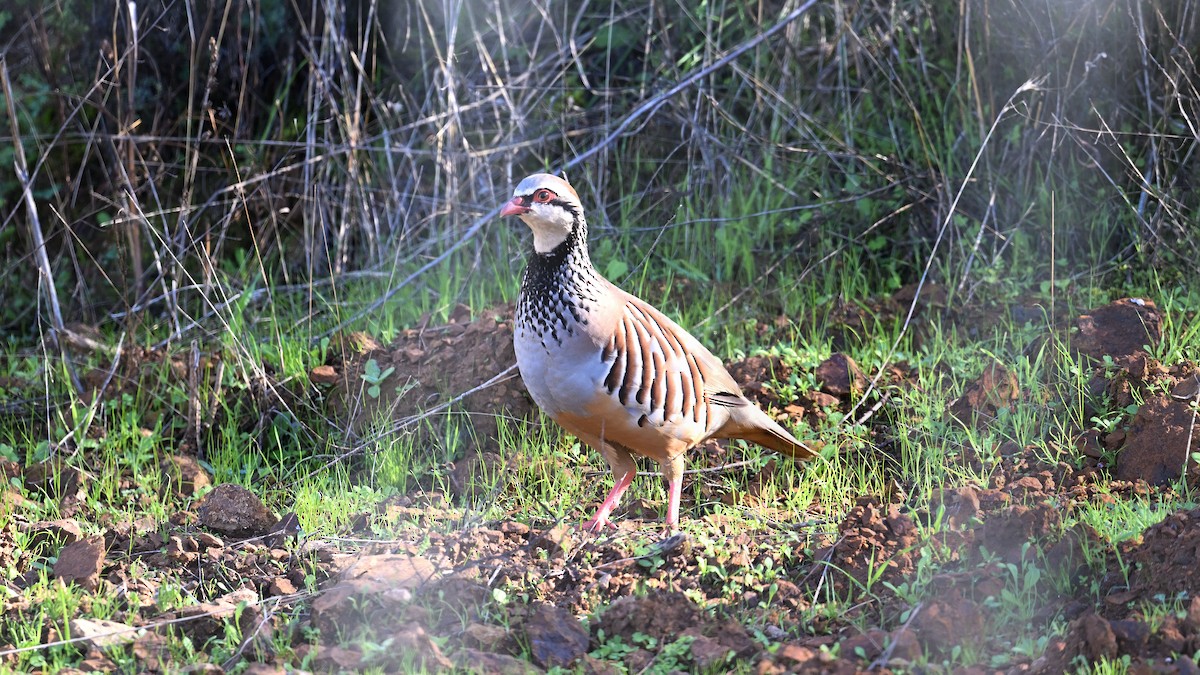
[543,196]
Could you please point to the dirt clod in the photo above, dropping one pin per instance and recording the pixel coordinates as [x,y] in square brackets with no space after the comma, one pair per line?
[840,376]
[1165,559]
[81,562]
[660,615]
[52,533]
[958,505]
[412,640]
[947,622]
[369,579]
[1118,329]
[235,511]
[995,388]
[429,365]
[874,535]
[183,476]
[1006,533]
[64,484]
[555,637]
[557,540]
[489,663]
[1099,641]
[1157,442]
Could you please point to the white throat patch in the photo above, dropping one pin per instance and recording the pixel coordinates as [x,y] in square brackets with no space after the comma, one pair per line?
[551,224]
[546,236]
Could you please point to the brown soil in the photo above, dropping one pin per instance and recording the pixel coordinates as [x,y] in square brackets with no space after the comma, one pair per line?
[746,598]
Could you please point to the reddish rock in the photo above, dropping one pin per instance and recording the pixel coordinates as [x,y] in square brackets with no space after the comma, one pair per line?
[323,375]
[281,586]
[1025,487]
[798,655]
[81,562]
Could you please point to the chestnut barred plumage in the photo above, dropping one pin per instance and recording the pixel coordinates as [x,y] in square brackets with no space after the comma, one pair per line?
[610,368]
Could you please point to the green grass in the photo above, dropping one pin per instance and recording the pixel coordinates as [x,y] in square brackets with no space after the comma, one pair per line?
[779,207]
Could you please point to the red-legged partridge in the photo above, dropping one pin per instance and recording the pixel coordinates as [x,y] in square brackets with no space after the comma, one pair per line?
[611,369]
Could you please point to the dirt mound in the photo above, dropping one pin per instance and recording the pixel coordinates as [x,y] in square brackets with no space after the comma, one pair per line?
[1155,621]
[430,366]
[872,535]
[1158,442]
[1120,328]
[1165,560]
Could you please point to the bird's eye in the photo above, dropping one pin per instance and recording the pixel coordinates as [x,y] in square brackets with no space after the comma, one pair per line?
[543,196]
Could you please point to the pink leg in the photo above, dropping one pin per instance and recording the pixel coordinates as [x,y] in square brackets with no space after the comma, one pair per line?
[674,488]
[598,521]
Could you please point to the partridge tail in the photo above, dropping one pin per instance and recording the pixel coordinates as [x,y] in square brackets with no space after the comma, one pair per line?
[750,423]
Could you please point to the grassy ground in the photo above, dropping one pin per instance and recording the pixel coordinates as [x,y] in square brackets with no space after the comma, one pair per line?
[214,240]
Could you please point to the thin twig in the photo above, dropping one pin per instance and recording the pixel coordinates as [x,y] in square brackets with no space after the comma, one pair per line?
[34,227]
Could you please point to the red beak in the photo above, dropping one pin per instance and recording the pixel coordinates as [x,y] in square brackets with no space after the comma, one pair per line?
[514,208]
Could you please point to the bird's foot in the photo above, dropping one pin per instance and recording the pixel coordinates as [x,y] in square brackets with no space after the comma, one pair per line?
[597,525]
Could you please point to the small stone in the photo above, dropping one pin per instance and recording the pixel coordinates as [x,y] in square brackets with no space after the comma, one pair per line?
[514,529]
[281,586]
[207,540]
[1025,485]
[795,653]
[485,636]
[323,375]
[557,539]
[102,634]
[53,533]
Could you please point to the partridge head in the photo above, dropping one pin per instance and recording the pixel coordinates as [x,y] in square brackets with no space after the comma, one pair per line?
[611,369]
